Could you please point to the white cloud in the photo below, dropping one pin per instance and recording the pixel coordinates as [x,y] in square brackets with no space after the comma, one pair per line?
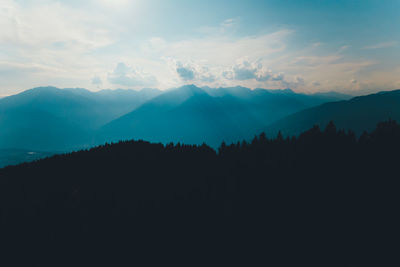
[50,43]
[225,50]
[192,72]
[245,70]
[28,27]
[247,67]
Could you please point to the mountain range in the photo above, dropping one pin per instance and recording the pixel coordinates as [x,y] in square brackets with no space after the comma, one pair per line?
[46,120]
[195,115]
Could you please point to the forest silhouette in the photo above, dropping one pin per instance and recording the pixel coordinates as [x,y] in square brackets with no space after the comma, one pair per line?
[325,197]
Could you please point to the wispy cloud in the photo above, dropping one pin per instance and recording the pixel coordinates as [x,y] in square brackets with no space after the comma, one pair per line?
[230,22]
[382,45]
[343,48]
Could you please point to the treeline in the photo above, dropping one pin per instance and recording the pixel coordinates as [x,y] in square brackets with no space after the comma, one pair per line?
[325,198]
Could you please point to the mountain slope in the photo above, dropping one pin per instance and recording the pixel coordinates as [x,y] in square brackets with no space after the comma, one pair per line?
[253,109]
[187,114]
[48,118]
[358,114]
[268,106]
[90,109]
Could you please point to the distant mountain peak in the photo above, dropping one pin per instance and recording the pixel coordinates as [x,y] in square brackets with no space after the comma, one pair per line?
[190,90]
[191,87]
[238,89]
[280,91]
[43,89]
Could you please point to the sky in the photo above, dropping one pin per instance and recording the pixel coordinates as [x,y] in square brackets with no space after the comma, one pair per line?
[309,46]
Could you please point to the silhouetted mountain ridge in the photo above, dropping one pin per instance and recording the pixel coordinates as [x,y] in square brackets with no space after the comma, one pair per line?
[51,119]
[358,114]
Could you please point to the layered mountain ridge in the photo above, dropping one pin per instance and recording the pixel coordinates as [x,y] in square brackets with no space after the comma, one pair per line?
[49,119]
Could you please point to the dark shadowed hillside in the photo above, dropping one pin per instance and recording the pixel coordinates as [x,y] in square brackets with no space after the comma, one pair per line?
[358,114]
[324,198]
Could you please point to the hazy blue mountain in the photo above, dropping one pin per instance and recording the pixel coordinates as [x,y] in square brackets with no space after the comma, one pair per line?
[187,114]
[244,92]
[253,109]
[358,114]
[48,118]
[30,128]
[332,95]
[52,119]
[194,115]
[91,109]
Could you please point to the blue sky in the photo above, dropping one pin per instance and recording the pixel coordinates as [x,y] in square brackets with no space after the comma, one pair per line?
[309,46]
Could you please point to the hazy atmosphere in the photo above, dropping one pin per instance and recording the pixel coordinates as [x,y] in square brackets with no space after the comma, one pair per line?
[199,132]
[309,46]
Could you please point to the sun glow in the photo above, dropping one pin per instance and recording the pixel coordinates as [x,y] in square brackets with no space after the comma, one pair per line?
[117,3]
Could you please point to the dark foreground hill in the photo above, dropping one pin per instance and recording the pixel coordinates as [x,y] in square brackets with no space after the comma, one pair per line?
[325,198]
